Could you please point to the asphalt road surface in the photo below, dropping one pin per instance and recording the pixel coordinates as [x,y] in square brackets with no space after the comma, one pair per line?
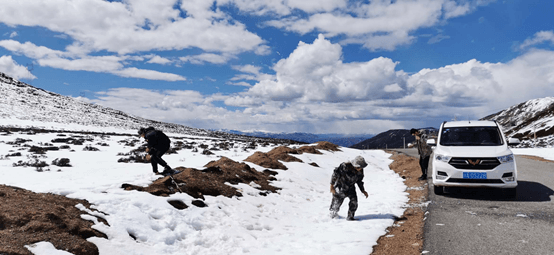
[484,221]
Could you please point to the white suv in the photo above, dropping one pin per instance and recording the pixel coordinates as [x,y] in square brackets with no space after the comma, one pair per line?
[473,154]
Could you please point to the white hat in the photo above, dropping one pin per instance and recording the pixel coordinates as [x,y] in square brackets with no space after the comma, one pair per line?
[359,161]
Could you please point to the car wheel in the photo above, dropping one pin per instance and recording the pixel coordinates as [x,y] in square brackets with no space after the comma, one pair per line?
[511,192]
[438,190]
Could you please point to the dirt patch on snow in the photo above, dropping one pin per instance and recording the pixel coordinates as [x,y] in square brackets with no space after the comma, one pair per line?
[210,181]
[406,234]
[282,153]
[27,218]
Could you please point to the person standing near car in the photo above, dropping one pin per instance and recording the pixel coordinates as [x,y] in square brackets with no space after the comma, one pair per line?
[158,145]
[343,183]
[424,151]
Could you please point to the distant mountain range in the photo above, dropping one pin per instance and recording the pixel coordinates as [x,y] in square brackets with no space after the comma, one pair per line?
[338,139]
[394,138]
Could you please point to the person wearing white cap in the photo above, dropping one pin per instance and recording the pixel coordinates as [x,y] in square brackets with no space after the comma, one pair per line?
[343,183]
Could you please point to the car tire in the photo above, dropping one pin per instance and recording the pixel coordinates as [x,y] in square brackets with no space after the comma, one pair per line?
[511,192]
[439,190]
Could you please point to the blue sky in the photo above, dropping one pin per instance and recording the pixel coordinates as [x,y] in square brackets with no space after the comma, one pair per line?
[317,66]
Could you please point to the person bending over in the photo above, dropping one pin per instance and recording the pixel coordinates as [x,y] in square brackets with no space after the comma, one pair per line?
[157,146]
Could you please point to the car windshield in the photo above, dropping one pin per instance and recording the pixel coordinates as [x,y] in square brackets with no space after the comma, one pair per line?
[471,136]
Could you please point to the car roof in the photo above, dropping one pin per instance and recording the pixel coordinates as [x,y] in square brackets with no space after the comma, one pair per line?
[470,123]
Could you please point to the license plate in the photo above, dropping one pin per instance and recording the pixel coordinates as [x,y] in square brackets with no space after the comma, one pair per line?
[475,175]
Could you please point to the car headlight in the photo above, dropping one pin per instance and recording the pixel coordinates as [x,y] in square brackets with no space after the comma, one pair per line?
[442,158]
[506,159]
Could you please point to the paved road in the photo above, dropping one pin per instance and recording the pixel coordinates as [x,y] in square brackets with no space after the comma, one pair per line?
[483,221]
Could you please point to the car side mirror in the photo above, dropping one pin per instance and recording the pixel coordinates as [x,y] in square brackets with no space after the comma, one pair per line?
[513,141]
[432,142]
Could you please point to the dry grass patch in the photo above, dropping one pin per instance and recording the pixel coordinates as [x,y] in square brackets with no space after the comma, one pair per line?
[406,235]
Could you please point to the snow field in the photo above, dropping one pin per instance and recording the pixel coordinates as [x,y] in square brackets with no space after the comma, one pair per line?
[293,221]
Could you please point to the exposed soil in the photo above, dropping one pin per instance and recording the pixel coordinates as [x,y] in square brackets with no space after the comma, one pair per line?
[406,235]
[27,218]
[210,181]
[282,153]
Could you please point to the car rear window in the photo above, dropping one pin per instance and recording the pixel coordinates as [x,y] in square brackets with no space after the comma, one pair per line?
[471,136]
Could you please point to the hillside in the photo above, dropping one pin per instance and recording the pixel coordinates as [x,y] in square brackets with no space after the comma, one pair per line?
[21,101]
[531,121]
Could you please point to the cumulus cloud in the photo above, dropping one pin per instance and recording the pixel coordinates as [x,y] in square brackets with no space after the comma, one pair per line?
[11,68]
[358,97]
[134,25]
[315,72]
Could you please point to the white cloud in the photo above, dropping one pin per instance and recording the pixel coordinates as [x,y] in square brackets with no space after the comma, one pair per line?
[11,68]
[469,90]
[68,61]
[135,25]
[312,89]
[538,38]
[207,58]
[133,72]
[438,38]
[377,25]
[158,60]
[13,34]
[315,72]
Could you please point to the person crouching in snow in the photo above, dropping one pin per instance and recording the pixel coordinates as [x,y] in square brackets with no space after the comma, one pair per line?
[158,145]
[342,186]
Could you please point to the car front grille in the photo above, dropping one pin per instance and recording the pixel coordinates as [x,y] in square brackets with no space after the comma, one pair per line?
[474,163]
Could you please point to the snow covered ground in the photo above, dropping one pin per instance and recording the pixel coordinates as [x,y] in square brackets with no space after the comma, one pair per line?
[546,153]
[293,221]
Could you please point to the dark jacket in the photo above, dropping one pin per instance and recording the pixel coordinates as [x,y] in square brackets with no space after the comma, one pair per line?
[157,140]
[423,149]
[345,176]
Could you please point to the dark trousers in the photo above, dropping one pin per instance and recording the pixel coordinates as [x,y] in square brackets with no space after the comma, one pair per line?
[338,199]
[156,158]
[424,164]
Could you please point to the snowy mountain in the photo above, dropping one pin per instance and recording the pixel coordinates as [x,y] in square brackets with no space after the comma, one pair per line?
[531,121]
[20,101]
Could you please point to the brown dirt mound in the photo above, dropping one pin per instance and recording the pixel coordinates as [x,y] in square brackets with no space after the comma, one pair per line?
[406,234]
[27,218]
[327,146]
[308,149]
[282,153]
[263,159]
[210,181]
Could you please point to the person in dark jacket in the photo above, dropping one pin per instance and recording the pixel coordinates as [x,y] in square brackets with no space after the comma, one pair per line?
[157,146]
[343,183]
[424,151]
